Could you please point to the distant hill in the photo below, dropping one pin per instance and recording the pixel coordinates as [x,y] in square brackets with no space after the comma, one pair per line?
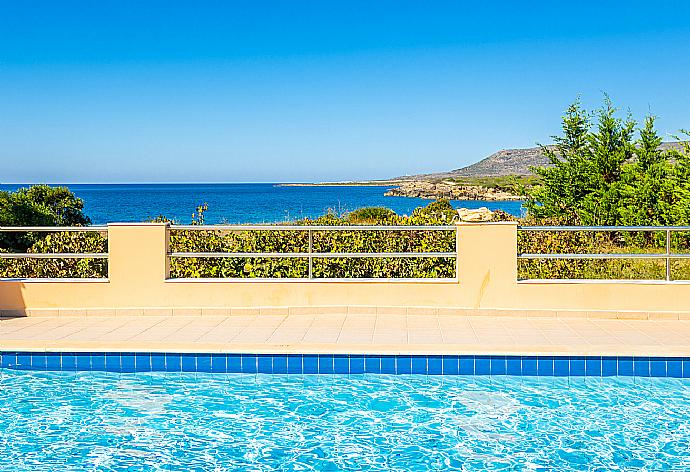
[501,163]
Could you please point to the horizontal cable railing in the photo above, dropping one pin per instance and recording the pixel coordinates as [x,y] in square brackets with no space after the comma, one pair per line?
[315,227]
[53,229]
[667,255]
[53,255]
[310,254]
[102,230]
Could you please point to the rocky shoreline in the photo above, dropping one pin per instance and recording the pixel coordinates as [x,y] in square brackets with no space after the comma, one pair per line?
[448,190]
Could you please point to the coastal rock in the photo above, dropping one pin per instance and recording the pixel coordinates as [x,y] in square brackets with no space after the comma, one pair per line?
[475,215]
[451,191]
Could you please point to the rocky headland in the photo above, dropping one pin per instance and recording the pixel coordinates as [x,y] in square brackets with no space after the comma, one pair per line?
[491,179]
[450,191]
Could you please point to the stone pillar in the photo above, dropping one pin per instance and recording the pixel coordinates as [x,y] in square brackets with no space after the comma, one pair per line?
[487,262]
[137,255]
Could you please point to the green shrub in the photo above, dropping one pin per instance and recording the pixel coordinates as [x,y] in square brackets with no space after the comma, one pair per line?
[67,242]
[38,205]
[297,241]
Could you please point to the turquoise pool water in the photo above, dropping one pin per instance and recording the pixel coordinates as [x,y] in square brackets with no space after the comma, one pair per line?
[168,421]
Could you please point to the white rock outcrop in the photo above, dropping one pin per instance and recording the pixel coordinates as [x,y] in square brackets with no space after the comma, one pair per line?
[475,215]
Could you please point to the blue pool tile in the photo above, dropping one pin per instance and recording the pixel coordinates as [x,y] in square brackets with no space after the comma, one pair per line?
[83,360]
[388,364]
[310,364]
[434,365]
[280,364]
[173,362]
[450,365]
[53,361]
[372,364]
[674,367]
[188,362]
[203,362]
[142,362]
[158,361]
[625,366]
[641,366]
[357,364]
[545,366]
[418,365]
[249,362]
[126,362]
[294,364]
[657,367]
[38,361]
[97,361]
[8,359]
[482,365]
[529,365]
[513,365]
[686,368]
[341,364]
[577,366]
[69,361]
[466,365]
[498,365]
[609,366]
[344,364]
[561,366]
[23,361]
[233,363]
[264,364]
[403,365]
[325,363]
[219,363]
[593,366]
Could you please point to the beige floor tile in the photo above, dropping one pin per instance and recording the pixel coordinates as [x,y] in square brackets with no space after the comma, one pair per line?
[287,336]
[215,311]
[245,311]
[329,320]
[391,321]
[254,335]
[216,335]
[352,333]
[321,337]
[419,338]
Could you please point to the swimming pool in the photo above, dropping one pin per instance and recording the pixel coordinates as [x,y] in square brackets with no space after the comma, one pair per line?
[52,420]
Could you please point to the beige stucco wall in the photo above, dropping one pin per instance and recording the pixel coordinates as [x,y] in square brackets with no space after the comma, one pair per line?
[487,279]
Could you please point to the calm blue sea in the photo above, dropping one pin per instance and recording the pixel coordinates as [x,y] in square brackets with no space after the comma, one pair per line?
[240,203]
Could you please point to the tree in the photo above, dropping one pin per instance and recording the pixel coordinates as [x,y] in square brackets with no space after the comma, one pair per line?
[650,190]
[601,175]
[566,182]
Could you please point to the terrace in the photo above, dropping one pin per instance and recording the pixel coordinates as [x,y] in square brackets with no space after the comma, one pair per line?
[482,309]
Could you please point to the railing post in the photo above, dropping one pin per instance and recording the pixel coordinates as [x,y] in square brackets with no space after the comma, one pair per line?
[668,255]
[138,254]
[457,252]
[310,254]
[487,262]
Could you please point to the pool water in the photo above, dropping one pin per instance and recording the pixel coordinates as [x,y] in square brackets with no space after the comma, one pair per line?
[178,421]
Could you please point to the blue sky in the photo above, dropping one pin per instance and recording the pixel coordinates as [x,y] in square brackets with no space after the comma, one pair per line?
[233,91]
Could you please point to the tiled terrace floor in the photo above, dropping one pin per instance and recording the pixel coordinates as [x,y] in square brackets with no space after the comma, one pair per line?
[351,333]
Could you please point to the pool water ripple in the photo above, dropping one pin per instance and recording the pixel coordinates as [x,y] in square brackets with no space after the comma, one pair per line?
[166,421]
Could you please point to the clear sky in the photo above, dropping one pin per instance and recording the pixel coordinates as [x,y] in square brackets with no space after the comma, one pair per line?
[233,91]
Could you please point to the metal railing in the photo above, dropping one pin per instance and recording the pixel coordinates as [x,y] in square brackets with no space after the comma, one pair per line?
[667,255]
[310,255]
[53,229]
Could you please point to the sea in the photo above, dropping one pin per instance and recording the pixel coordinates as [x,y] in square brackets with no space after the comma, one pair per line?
[242,202]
